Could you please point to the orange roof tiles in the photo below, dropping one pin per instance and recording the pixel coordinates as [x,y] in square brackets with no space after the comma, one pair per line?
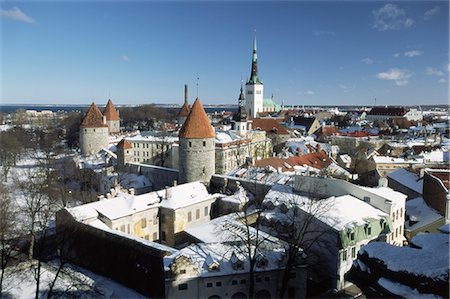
[197,125]
[184,111]
[269,125]
[93,118]
[110,111]
[124,144]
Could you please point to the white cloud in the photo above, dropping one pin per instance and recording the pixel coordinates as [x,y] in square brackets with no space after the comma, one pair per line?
[390,17]
[322,32]
[431,12]
[310,92]
[442,80]
[367,60]
[396,55]
[16,14]
[412,53]
[400,77]
[433,72]
[125,58]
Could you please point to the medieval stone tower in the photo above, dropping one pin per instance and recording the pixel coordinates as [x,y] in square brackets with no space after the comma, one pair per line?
[93,131]
[185,109]
[254,88]
[197,147]
[124,154]
[112,117]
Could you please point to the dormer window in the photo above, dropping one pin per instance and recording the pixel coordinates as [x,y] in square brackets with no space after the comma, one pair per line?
[262,263]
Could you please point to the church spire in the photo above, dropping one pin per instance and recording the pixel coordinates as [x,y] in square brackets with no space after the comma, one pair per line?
[241,114]
[254,72]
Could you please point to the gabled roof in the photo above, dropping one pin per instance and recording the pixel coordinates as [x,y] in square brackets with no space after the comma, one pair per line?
[184,111]
[269,125]
[124,144]
[318,160]
[110,111]
[197,124]
[93,118]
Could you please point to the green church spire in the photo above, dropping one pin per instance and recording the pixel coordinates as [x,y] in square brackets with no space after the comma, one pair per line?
[254,72]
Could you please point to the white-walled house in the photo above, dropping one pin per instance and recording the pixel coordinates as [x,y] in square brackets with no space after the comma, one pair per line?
[334,229]
[383,198]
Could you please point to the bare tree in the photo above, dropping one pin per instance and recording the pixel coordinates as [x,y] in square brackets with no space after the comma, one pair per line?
[9,231]
[298,225]
[10,149]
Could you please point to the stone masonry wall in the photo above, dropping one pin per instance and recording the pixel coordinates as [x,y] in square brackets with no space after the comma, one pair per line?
[93,139]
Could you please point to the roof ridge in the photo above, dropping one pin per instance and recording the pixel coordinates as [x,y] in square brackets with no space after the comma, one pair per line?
[110,111]
[93,118]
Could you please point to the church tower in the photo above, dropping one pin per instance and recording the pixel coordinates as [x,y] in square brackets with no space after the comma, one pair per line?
[254,88]
[240,123]
[197,147]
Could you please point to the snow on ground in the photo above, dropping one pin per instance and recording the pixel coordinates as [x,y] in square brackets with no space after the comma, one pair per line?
[75,281]
[402,290]
[431,260]
[4,128]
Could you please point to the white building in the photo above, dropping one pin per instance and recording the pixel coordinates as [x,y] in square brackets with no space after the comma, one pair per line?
[382,198]
[334,229]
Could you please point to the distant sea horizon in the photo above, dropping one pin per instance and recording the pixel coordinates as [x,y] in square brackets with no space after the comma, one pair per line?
[8,108]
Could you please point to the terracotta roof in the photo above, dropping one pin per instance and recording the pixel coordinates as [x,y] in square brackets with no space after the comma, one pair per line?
[197,124]
[110,111]
[318,160]
[93,118]
[124,144]
[269,125]
[184,111]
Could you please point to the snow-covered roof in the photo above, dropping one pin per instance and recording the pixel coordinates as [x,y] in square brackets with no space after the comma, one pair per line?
[224,255]
[154,138]
[392,160]
[117,207]
[387,193]
[225,229]
[346,158]
[430,261]
[421,213]
[185,195]
[337,212]
[226,136]
[407,179]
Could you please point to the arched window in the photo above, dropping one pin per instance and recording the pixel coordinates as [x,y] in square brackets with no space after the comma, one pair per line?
[239,295]
[262,294]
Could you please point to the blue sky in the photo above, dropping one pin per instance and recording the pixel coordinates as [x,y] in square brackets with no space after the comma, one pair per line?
[311,53]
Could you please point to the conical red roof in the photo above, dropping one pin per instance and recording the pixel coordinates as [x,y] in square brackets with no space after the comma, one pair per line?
[93,118]
[124,144]
[184,111]
[110,111]
[197,124]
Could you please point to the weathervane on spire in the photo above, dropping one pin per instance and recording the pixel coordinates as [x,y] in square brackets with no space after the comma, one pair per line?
[198,78]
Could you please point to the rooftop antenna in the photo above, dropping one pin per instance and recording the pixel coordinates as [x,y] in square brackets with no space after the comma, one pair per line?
[198,78]
[375,102]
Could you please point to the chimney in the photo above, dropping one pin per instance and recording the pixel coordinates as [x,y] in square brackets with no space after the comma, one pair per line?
[174,183]
[299,151]
[185,93]
[167,193]
[131,191]
[318,147]
[104,120]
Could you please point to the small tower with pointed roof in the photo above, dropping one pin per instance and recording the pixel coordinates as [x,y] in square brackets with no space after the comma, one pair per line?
[124,154]
[254,88]
[112,117]
[240,121]
[197,147]
[185,109]
[93,131]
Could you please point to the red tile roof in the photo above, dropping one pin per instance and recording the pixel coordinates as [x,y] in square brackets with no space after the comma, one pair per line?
[124,144]
[93,118]
[184,111]
[197,124]
[269,125]
[110,111]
